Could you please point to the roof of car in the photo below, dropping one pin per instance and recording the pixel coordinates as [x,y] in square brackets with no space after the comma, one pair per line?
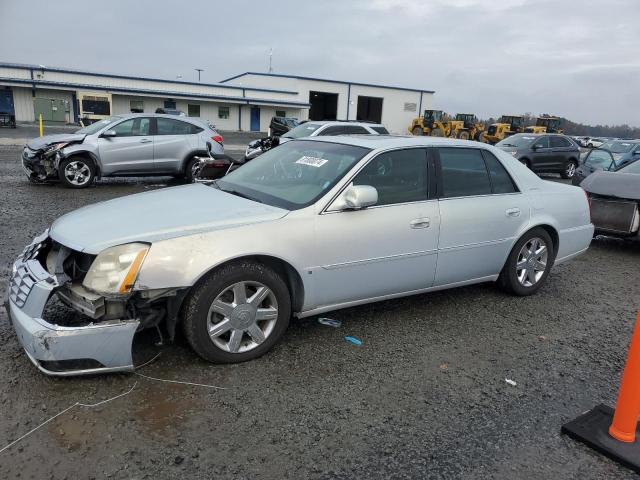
[194,120]
[343,122]
[389,141]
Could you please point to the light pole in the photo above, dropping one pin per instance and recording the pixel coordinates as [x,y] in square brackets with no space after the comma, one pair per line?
[198,70]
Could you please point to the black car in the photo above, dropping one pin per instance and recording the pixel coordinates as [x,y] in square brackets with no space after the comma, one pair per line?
[544,153]
[281,125]
[614,198]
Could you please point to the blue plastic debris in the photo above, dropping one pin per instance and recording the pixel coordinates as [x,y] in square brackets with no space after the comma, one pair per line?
[353,340]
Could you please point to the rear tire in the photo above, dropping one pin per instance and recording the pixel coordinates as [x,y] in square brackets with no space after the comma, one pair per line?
[528,265]
[77,172]
[464,135]
[191,170]
[211,303]
[569,170]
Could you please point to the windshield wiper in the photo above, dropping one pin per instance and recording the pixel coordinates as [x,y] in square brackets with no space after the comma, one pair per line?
[240,194]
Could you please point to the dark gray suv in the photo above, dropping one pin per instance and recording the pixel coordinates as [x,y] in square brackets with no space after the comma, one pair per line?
[544,153]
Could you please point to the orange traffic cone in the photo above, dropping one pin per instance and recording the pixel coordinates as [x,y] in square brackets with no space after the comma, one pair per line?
[625,420]
[613,433]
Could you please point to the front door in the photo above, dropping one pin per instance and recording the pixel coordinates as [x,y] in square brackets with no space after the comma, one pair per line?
[385,249]
[130,151]
[541,154]
[481,212]
[255,119]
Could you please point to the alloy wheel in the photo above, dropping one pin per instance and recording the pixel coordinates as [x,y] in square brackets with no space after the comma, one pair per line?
[570,170]
[532,262]
[77,173]
[242,316]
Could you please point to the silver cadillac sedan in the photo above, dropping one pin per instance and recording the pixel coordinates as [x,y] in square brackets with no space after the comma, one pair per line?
[314,225]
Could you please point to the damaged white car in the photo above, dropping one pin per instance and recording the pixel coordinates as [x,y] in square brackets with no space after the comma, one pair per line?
[312,226]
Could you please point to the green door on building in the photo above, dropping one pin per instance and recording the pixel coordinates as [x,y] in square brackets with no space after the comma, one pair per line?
[52,109]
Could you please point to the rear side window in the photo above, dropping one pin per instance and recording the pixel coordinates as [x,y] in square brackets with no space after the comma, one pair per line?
[501,181]
[560,142]
[463,173]
[355,129]
[168,126]
[542,142]
[380,130]
[399,176]
[334,130]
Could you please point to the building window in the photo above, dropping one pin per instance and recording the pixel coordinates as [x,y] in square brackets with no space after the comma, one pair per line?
[223,112]
[170,104]
[281,113]
[136,106]
[193,110]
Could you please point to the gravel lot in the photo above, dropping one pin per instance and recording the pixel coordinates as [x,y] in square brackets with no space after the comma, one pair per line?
[424,397]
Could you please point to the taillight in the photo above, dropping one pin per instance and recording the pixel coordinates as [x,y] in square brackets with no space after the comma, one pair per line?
[589,202]
[218,139]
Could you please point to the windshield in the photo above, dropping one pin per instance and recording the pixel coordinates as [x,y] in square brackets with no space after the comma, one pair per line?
[631,168]
[294,175]
[519,141]
[600,160]
[618,147]
[97,126]
[303,130]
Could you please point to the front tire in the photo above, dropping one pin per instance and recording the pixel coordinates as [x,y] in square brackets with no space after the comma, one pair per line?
[437,132]
[77,172]
[417,131]
[528,264]
[237,313]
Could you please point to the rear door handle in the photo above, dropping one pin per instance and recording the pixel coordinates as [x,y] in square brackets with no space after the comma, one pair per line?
[513,212]
[420,223]
[145,140]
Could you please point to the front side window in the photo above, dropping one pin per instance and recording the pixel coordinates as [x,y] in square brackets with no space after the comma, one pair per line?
[399,176]
[223,112]
[463,173]
[600,160]
[542,142]
[168,126]
[193,110]
[294,175]
[136,106]
[133,127]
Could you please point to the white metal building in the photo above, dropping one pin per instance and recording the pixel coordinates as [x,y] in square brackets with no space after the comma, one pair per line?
[244,102]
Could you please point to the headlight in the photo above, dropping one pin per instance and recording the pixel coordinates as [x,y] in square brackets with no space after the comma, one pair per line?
[115,270]
[54,148]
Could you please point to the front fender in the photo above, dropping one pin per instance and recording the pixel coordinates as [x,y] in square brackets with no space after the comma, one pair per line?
[81,149]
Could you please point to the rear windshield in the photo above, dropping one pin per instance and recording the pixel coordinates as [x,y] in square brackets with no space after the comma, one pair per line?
[380,130]
[618,147]
[304,130]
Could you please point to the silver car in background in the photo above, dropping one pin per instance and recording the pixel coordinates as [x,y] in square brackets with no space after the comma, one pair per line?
[317,224]
[123,145]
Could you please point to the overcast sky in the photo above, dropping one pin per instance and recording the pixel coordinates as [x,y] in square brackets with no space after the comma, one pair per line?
[575,58]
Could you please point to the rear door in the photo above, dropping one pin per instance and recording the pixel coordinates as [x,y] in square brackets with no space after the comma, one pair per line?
[482,211]
[562,149]
[172,142]
[130,151]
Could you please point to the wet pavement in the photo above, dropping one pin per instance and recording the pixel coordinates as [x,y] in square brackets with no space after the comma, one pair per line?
[425,396]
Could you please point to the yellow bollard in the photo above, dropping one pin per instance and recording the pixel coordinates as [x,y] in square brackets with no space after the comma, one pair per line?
[40,118]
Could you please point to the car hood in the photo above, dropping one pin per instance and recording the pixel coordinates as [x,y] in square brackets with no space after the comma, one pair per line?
[613,184]
[41,142]
[157,215]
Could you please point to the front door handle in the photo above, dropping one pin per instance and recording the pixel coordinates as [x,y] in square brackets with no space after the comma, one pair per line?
[513,212]
[145,140]
[420,223]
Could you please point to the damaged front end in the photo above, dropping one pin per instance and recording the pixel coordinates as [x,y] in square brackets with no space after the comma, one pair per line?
[68,329]
[42,165]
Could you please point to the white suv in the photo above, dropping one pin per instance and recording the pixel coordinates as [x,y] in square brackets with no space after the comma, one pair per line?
[324,128]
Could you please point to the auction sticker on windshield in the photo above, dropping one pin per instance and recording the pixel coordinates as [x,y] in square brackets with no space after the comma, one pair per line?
[312,161]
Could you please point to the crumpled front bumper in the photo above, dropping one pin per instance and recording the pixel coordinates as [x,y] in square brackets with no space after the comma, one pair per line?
[58,350]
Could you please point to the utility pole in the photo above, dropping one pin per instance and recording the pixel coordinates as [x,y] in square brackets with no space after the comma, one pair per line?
[198,70]
[270,60]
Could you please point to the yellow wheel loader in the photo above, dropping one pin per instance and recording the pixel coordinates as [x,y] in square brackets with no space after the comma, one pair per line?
[467,127]
[507,126]
[545,124]
[433,123]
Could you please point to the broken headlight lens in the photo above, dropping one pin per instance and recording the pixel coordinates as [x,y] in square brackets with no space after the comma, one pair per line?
[55,147]
[115,270]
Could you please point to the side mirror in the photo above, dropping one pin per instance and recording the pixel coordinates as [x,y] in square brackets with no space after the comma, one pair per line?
[109,134]
[357,197]
[208,147]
